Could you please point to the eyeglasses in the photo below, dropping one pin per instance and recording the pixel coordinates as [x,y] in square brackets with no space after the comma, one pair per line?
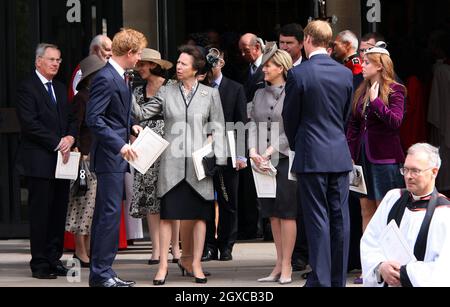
[52,60]
[414,171]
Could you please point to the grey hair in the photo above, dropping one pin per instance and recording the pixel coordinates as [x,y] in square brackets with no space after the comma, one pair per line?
[96,42]
[348,36]
[41,48]
[432,152]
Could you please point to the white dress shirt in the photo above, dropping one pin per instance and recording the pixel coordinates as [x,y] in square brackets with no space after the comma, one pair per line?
[317,52]
[118,68]
[256,64]
[298,62]
[44,82]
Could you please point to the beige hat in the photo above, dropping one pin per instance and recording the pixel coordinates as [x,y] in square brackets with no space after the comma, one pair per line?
[89,66]
[269,51]
[151,55]
[380,47]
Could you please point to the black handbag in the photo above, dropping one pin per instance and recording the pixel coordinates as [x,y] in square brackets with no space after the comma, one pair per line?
[209,164]
[80,186]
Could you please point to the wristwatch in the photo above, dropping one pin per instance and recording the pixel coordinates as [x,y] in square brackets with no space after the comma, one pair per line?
[380,279]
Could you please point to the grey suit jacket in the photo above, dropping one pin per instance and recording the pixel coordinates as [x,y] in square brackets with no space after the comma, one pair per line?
[266,126]
[186,133]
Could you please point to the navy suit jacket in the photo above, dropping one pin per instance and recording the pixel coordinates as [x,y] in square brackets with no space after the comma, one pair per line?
[43,126]
[316,108]
[108,116]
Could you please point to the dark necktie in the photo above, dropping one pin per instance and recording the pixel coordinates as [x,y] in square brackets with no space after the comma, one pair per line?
[50,92]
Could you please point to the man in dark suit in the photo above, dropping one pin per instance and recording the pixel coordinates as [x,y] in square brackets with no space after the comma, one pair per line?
[108,116]
[317,105]
[291,40]
[48,129]
[252,51]
[251,225]
[226,184]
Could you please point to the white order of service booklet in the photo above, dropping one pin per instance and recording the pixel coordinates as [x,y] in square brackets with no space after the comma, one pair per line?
[149,146]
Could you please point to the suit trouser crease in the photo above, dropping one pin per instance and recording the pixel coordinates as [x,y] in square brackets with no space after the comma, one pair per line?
[324,199]
[228,213]
[106,225]
[48,201]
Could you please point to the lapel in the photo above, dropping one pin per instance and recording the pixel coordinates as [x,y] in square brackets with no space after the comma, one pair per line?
[43,91]
[223,88]
[125,93]
[187,104]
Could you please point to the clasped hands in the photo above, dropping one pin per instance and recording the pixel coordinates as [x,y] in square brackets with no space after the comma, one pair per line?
[262,162]
[390,271]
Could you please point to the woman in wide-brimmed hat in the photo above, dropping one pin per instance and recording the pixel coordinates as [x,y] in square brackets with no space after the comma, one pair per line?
[81,208]
[145,203]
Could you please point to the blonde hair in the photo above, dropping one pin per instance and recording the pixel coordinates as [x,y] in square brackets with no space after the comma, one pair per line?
[128,40]
[282,59]
[386,80]
[320,32]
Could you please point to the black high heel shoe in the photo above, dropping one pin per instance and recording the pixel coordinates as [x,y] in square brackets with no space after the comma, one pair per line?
[82,263]
[201,280]
[160,282]
[184,271]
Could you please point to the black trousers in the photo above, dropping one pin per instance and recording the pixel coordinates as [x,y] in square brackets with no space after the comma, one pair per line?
[228,213]
[250,223]
[301,243]
[48,200]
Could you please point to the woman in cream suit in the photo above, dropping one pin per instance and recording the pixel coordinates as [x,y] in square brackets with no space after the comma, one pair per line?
[187,108]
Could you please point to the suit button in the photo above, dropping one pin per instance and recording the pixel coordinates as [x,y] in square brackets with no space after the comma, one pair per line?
[268,129]
[268,141]
[271,108]
[269,119]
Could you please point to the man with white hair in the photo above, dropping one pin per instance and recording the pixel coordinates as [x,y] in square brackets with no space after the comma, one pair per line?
[423,216]
[101,47]
[346,51]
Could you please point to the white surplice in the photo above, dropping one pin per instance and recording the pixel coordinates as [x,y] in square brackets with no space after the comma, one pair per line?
[435,270]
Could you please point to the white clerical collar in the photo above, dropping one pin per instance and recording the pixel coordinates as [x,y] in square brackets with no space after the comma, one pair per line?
[299,61]
[42,78]
[417,198]
[118,68]
[317,52]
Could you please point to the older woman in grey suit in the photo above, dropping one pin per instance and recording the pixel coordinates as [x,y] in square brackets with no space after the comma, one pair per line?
[188,107]
[267,124]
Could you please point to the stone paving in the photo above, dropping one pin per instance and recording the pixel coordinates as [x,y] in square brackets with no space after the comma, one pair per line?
[252,260]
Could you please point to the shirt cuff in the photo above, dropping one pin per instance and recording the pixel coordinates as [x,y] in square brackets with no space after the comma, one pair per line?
[242,159]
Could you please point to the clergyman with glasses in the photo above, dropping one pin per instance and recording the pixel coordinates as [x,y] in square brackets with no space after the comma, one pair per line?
[422,215]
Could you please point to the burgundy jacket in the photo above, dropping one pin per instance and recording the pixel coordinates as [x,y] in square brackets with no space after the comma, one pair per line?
[380,131]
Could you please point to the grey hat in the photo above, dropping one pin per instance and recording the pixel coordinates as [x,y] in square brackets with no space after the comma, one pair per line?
[89,66]
[269,51]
